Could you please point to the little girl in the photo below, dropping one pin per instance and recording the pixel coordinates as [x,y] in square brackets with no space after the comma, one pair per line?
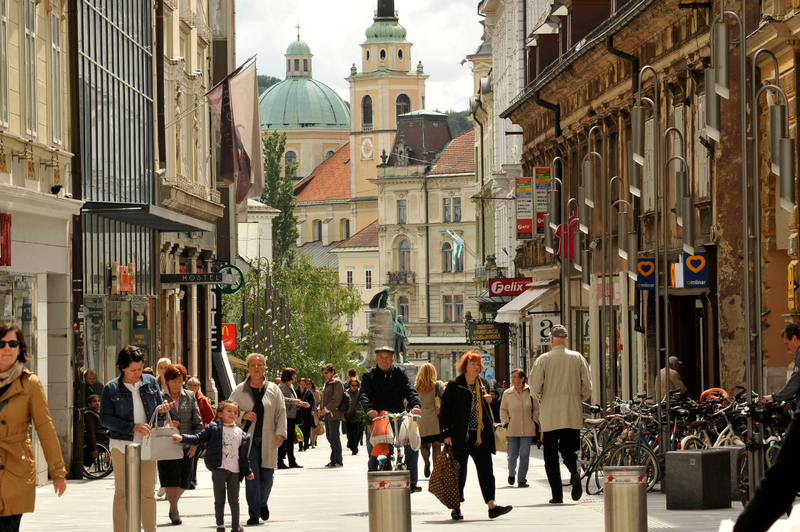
[226,458]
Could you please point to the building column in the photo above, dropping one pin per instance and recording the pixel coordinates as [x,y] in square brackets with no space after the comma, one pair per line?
[193,321]
[175,306]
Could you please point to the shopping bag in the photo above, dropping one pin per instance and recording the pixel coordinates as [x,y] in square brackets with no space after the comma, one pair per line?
[500,437]
[159,445]
[320,428]
[414,439]
[298,434]
[381,435]
[402,432]
[443,482]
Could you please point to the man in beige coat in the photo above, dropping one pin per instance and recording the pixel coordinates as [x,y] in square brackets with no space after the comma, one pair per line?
[561,383]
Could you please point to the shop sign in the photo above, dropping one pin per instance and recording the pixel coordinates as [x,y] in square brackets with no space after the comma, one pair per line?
[485,333]
[509,287]
[5,240]
[193,278]
[542,187]
[141,337]
[646,278]
[695,270]
[542,325]
[123,278]
[229,336]
[524,195]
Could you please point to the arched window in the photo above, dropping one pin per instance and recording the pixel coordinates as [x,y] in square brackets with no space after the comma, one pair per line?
[367,55]
[458,264]
[402,307]
[400,54]
[329,154]
[447,257]
[405,256]
[291,159]
[366,113]
[317,230]
[403,105]
[383,55]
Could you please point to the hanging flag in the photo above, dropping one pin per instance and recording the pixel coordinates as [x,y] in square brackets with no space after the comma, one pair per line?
[235,102]
[458,245]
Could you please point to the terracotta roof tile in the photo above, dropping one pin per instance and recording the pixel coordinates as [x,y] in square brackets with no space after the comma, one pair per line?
[329,181]
[366,238]
[458,157]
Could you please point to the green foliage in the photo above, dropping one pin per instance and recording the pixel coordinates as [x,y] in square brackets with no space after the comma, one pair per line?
[316,334]
[458,121]
[265,82]
[279,193]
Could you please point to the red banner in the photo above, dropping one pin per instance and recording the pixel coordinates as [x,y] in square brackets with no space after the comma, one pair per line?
[229,336]
[509,287]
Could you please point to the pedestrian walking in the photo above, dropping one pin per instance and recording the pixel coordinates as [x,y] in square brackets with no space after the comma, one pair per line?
[467,426]
[176,475]
[332,397]
[206,414]
[226,458]
[319,426]
[22,400]
[306,414]
[93,430]
[430,393]
[386,387]
[127,404]
[352,421]
[161,367]
[561,383]
[520,411]
[93,386]
[292,418]
[263,416]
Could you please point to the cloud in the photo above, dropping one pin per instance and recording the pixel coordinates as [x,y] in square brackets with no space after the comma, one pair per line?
[443,33]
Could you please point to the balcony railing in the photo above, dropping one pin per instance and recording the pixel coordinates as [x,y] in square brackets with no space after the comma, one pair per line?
[480,272]
[366,127]
[401,277]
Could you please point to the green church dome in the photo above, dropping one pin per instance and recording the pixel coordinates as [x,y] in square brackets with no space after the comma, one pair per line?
[386,30]
[298,47]
[302,102]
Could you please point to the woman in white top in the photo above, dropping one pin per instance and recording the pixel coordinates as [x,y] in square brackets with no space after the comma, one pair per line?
[520,411]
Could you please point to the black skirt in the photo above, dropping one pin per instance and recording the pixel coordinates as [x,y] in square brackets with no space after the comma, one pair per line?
[176,473]
[434,438]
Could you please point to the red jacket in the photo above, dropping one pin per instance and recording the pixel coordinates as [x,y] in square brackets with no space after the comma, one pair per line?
[206,412]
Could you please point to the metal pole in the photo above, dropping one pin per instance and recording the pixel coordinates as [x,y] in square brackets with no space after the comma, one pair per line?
[602,353]
[612,323]
[133,488]
[565,242]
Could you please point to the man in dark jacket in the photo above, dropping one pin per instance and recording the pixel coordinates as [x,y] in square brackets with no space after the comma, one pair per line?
[386,386]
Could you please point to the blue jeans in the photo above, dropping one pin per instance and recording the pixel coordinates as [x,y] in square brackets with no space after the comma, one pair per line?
[519,447]
[411,459]
[335,439]
[257,490]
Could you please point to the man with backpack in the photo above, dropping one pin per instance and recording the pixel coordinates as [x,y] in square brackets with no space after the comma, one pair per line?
[386,387]
[331,410]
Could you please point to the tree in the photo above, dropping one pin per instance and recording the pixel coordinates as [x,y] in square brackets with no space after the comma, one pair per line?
[458,121]
[279,193]
[316,332]
[265,82]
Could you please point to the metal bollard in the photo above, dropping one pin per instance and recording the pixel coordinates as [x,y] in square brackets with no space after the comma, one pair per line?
[133,488]
[625,494]
[389,494]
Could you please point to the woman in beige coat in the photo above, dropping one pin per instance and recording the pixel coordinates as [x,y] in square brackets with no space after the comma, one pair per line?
[262,414]
[520,411]
[430,396]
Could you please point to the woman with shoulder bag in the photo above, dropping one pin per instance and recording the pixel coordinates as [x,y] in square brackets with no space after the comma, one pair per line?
[128,403]
[430,396]
[520,411]
[319,426]
[353,424]
[306,414]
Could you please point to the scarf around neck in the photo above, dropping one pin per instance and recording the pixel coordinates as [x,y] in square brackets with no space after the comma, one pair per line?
[478,406]
[12,374]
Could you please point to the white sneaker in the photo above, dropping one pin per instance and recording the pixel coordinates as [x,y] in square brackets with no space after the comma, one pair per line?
[162,491]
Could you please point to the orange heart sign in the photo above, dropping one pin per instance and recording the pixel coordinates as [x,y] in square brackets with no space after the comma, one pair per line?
[696,263]
[646,268]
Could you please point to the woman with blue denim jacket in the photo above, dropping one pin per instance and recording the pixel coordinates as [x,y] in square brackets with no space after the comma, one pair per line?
[128,403]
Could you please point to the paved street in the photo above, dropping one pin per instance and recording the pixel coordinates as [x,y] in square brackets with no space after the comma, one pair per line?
[315,498]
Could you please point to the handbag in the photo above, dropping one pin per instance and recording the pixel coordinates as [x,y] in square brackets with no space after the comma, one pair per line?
[437,398]
[159,445]
[320,429]
[500,437]
[443,482]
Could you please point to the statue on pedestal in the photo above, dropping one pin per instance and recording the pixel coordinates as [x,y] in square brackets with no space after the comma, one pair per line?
[400,339]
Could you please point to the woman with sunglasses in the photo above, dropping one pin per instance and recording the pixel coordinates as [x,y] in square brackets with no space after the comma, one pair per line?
[22,400]
[353,424]
[128,403]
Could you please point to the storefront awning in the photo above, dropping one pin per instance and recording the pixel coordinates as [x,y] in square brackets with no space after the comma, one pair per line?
[147,215]
[486,298]
[514,311]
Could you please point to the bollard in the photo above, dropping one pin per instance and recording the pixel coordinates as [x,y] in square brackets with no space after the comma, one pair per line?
[389,494]
[625,495]
[133,488]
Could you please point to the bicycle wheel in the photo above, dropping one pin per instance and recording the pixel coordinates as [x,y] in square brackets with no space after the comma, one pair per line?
[626,454]
[594,485]
[692,442]
[743,480]
[772,454]
[101,466]
[588,452]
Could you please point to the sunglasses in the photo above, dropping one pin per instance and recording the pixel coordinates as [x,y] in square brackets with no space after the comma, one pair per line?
[11,343]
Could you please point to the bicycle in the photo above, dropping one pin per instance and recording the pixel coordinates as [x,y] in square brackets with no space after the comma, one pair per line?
[99,467]
[385,461]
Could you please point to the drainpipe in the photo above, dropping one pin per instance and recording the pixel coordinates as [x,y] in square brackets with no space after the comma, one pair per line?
[161,105]
[483,217]
[552,107]
[427,251]
[632,59]
[524,40]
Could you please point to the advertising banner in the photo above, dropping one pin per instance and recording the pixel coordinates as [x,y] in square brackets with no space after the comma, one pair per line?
[541,328]
[524,208]
[542,186]
[229,336]
[509,287]
[646,279]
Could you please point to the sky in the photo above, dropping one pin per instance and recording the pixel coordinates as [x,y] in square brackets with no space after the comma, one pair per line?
[443,33]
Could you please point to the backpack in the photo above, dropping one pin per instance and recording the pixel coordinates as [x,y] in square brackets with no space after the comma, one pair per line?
[344,406]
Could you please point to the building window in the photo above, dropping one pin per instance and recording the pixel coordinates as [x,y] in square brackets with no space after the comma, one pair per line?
[368,279]
[458,261]
[31,117]
[446,213]
[305,65]
[366,113]
[403,105]
[405,256]
[317,230]
[345,228]
[55,76]
[400,54]
[366,320]
[367,55]
[459,303]
[402,307]
[297,65]
[329,154]
[456,209]
[4,62]
[447,258]
[350,323]
[288,65]
[291,162]
[348,275]
[401,211]
[383,55]
[448,309]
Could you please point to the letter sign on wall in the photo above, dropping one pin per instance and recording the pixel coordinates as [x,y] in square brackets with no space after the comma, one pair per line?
[542,325]
[509,287]
[229,336]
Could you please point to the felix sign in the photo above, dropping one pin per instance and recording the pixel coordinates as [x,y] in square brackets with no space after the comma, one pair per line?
[509,287]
